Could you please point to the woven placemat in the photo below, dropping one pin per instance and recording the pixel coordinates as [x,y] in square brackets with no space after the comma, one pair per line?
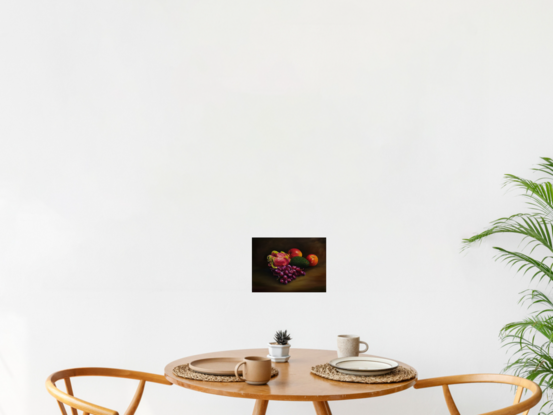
[400,374]
[184,371]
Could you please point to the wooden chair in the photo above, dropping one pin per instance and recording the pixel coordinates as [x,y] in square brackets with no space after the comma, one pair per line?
[517,407]
[89,408]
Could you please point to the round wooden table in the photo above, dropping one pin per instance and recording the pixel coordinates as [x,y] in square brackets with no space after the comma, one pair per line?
[295,382]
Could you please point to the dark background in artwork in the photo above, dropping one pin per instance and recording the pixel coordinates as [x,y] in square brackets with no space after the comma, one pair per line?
[263,280]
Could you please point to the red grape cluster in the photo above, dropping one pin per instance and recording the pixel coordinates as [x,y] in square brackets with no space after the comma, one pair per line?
[288,273]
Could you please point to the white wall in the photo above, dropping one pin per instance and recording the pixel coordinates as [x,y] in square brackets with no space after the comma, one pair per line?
[144,143]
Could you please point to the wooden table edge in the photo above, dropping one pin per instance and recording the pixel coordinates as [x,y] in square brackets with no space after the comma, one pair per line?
[401,386]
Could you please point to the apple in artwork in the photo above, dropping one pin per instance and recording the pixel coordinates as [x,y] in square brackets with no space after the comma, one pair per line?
[313,260]
[294,252]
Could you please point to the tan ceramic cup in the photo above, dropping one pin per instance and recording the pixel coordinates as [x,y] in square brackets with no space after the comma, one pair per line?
[348,345]
[257,370]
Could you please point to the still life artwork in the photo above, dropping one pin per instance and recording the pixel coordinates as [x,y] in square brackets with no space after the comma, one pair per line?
[289,265]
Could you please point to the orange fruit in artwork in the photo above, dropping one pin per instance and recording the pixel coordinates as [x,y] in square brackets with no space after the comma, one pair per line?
[313,260]
[294,252]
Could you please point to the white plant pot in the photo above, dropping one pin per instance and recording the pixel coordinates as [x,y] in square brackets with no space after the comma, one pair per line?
[277,350]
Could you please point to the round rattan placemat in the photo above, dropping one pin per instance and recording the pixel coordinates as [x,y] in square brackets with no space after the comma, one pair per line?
[400,374]
[184,371]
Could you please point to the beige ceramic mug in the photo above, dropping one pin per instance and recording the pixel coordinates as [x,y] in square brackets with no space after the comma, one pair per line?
[348,345]
[257,370]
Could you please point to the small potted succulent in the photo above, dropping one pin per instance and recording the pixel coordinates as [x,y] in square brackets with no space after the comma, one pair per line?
[280,348]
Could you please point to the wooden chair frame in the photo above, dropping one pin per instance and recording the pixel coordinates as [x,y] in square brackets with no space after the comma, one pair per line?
[517,407]
[88,408]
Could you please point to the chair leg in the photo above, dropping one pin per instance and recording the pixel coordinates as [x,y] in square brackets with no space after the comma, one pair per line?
[260,407]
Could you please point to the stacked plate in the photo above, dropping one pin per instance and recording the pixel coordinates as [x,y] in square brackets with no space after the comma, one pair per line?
[218,366]
[363,365]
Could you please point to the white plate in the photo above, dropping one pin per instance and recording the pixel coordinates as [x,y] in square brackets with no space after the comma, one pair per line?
[364,365]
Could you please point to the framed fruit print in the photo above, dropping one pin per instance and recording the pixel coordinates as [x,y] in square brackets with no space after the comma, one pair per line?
[289,265]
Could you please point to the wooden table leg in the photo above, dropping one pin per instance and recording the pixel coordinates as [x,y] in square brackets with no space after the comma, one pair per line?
[322,408]
[260,407]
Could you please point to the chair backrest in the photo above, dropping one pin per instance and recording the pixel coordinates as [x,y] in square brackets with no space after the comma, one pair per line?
[88,408]
[516,408]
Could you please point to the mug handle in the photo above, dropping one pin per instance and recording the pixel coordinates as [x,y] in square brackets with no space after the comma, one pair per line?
[243,362]
[365,343]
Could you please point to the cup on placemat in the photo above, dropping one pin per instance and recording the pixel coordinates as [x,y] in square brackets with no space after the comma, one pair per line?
[348,345]
[257,370]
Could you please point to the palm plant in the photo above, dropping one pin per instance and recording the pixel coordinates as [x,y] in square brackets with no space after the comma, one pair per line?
[532,338]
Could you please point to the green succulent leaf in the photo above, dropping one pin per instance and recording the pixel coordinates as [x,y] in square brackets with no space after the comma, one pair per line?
[282,337]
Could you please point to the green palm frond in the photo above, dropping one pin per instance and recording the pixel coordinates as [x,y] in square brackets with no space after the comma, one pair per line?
[540,195]
[530,340]
[536,297]
[535,324]
[534,363]
[533,228]
[532,359]
[527,263]
[546,167]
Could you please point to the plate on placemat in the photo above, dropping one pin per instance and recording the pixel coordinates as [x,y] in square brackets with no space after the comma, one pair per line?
[222,366]
[364,365]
